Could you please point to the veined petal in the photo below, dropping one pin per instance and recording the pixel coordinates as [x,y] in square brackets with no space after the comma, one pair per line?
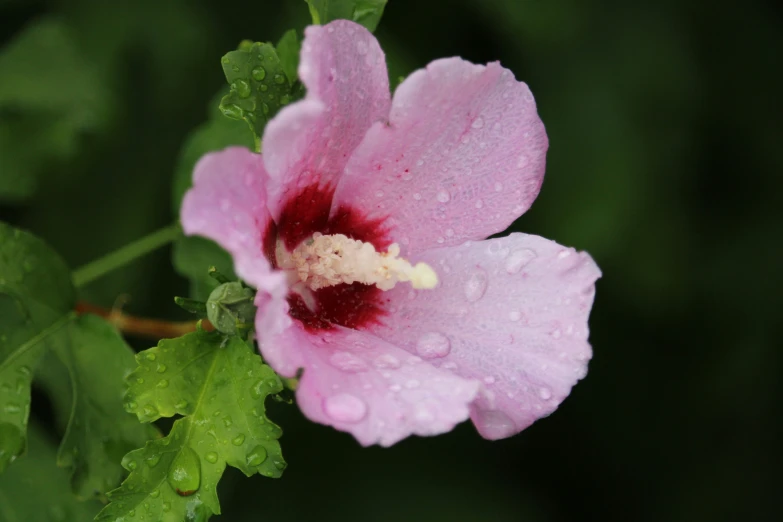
[309,142]
[227,204]
[372,389]
[462,157]
[509,312]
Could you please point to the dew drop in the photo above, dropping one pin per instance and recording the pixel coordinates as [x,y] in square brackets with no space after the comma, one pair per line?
[476,285]
[181,405]
[238,440]
[153,460]
[545,394]
[432,345]
[479,203]
[150,357]
[494,424]
[12,408]
[345,407]
[257,456]
[518,259]
[211,457]
[150,410]
[155,493]
[478,123]
[184,474]
[387,361]
[166,507]
[417,196]
[242,88]
[163,383]
[514,316]
[347,362]
[443,196]
[259,73]
[279,78]
[161,368]
[232,111]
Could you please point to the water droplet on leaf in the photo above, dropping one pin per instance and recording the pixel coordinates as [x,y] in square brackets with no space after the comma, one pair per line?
[211,457]
[184,474]
[256,456]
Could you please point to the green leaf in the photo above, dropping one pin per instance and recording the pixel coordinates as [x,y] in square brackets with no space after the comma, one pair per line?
[288,51]
[365,12]
[259,86]
[36,298]
[99,431]
[219,385]
[50,92]
[35,489]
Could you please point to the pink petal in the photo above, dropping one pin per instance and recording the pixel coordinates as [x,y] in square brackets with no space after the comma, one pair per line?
[510,312]
[368,387]
[462,158]
[227,204]
[309,142]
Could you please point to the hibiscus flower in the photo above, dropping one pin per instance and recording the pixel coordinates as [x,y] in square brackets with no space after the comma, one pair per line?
[362,228]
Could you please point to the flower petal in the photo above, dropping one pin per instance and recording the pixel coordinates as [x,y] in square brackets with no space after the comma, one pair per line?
[462,158]
[309,142]
[368,387]
[510,312]
[227,204]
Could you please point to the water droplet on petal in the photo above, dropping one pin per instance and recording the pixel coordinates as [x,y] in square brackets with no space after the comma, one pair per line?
[545,394]
[479,203]
[347,362]
[478,123]
[432,345]
[387,361]
[345,407]
[514,316]
[257,456]
[443,196]
[495,424]
[518,259]
[476,285]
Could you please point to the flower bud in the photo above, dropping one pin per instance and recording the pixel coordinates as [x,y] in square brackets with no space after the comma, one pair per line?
[230,308]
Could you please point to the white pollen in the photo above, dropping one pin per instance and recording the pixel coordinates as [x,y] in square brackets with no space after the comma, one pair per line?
[328,260]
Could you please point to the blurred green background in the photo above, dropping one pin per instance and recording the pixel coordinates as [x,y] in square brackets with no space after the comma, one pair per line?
[665,164]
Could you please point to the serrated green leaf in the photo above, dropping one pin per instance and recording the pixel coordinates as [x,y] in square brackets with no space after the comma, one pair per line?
[35,489]
[365,12]
[288,51]
[219,385]
[36,298]
[99,431]
[48,91]
[258,84]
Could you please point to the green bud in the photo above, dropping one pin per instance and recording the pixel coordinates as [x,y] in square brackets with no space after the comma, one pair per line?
[230,308]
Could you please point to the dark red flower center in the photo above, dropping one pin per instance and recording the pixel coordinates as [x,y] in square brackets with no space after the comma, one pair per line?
[308,211]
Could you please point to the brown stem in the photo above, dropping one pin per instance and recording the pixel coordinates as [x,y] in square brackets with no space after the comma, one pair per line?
[141,326]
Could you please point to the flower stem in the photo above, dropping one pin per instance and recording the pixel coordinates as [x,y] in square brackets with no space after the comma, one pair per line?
[121,257]
[142,326]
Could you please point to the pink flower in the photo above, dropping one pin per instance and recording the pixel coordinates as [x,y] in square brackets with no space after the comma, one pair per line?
[497,329]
